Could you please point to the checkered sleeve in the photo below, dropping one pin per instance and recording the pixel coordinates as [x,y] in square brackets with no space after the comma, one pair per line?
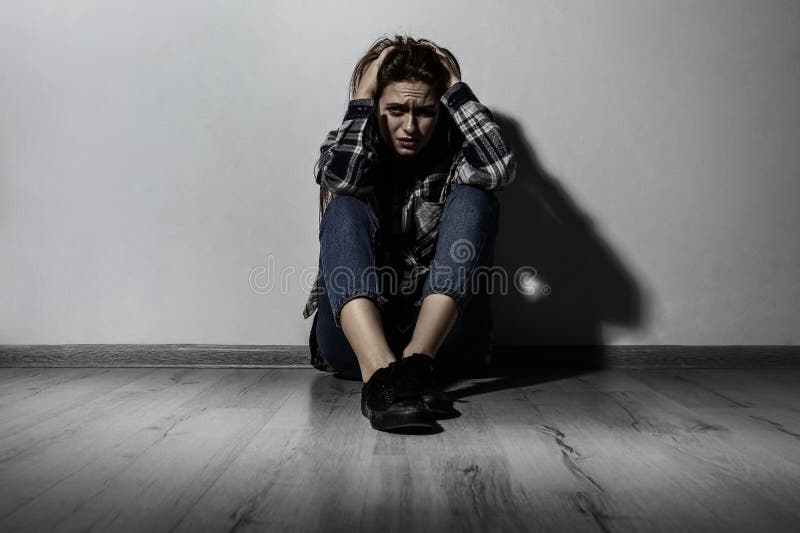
[485,159]
[346,155]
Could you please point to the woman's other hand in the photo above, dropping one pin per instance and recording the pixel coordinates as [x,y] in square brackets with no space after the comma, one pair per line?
[368,84]
[447,63]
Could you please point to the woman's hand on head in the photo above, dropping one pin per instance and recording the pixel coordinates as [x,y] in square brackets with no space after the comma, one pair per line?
[447,63]
[368,84]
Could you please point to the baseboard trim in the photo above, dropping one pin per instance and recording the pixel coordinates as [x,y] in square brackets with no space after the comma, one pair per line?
[154,355]
[297,356]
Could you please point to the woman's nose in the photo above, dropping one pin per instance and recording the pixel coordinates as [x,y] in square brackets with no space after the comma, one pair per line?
[409,125]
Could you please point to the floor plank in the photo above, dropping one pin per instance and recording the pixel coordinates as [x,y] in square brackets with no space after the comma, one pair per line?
[281,449]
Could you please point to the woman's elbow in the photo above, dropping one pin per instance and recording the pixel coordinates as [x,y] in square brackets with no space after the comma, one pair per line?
[334,184]
[342,187]
[504,173]
[509,173]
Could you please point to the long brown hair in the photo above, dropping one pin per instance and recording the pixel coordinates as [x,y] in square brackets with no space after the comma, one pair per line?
[409,60]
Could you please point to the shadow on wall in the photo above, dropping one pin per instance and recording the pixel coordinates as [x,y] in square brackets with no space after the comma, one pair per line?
[541,227]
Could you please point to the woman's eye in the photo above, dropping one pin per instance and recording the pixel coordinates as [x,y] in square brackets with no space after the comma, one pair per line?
[398,112]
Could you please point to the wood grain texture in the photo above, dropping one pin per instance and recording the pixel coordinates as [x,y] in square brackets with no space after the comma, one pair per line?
[297,356]
[191,449]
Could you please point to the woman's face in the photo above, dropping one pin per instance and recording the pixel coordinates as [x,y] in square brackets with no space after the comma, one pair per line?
[408,111]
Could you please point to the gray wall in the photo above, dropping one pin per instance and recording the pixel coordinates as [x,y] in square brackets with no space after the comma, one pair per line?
[155,154]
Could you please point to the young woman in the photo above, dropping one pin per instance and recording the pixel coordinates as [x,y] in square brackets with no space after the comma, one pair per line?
[407,220]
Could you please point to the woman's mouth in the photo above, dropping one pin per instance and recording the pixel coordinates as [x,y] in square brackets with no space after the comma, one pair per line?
[407,143]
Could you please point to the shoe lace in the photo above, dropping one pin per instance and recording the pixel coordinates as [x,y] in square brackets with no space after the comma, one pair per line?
[420,375]
[402,383]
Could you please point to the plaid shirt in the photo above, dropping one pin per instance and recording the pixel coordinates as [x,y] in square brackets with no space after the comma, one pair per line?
[408,194]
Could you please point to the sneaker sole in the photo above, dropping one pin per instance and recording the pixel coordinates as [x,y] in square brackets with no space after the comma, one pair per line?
[442,413]
[400,419]
[440,409]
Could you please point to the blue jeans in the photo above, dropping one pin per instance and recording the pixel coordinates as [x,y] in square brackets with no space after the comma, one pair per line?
[350,234]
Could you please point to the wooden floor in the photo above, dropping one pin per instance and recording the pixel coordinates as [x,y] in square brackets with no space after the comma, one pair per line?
[280,449]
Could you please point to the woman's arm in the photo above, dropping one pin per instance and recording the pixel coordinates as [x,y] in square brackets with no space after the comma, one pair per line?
[485,159]
[346,155]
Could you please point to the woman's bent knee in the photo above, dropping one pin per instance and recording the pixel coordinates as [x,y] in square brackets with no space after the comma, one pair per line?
[473,203]
[348,210]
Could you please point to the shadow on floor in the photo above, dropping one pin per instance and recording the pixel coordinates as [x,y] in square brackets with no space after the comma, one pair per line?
[522,367]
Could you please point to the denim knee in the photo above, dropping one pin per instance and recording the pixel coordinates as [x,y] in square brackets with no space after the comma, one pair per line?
[348,211]
[347,252]
[476,204]
[467,233]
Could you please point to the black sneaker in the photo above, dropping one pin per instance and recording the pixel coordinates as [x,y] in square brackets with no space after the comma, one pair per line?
[419,370]
[391,403]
